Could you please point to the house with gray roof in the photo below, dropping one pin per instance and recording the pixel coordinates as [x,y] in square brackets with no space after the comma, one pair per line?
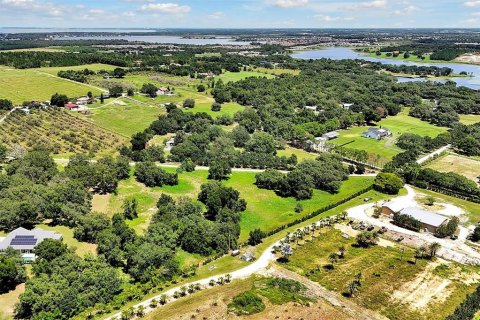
[331,135]
[25,241]
[377,133]
[430,221]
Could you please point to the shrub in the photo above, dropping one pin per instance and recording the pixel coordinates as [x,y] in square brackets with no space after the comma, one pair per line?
[388,183]
[246,303]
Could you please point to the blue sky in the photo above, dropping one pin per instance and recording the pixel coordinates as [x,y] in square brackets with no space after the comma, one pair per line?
[240,13]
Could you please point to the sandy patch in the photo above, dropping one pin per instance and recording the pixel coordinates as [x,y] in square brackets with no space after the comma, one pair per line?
[119,102]
[9,299]
[425,288]
[469,58]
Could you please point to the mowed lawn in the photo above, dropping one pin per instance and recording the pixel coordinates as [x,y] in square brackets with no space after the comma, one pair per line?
[265,210]
[464,166]
[237,76]
[399,124]
[124,116]
[28,84]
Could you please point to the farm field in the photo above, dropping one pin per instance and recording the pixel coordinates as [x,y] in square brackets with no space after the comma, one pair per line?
[469,118]
[237,76]
[212,304]
[391,282]
[399,124]
[124,116]
[464,166]
[59,131]
[264,207]
[28,84]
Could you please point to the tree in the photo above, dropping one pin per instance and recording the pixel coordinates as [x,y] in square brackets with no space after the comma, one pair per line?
[130,92]
[188,104]
[119,73]
[149,89]
[130,208]
[139,141]
[219,170]
[255,237]
[201,88]
[59,100]
[433,249]
[342,250]
[102,98]
[476,234]
[333,258]
[261,142]
[6,104]
[388,183]
[240,136]
[367,239]
[89,226]
[3,153]
[116,91]
[216,107]
[12,271]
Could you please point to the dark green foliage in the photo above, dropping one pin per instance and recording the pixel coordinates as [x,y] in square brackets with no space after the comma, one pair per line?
[153,176]
[12,271]
[130,208]
[201,88]
[37,166]
[246,303]
[149,89]
[367,239]
[116,91]
[448,229]
[78,76]
[406,221]
[217,197]
[468,308]
[5,104]
[59,100]
[189,103]
[89,226]
[476,234]
[255,237]
[388,183]
[139,141]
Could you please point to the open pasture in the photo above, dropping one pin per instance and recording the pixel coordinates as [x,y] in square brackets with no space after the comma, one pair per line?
[29,84]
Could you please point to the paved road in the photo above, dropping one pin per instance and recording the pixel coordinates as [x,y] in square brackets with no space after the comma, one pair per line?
[433,154]
[258,266]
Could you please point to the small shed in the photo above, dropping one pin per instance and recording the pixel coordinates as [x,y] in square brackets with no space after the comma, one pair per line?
[331,135]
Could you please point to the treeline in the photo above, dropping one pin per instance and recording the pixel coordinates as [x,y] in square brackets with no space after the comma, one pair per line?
[78,76]
[468,308]
[412,69]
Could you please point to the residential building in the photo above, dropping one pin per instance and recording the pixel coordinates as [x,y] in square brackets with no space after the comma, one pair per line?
[377,133]
[25,241]
[331,135]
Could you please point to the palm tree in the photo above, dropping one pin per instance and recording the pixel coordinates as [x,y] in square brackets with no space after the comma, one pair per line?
[140,311]
[163,299]
[228,278]
[353,287]
[183,291]
[191,288]
[333,257]
[433,248]
[211,283]
[153,303]
[342,250]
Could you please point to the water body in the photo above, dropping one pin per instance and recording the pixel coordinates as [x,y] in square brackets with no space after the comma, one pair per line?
[64,30]
[347,53]
[161,39]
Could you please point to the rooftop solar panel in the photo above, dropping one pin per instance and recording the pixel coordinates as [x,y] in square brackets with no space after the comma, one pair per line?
[23,241]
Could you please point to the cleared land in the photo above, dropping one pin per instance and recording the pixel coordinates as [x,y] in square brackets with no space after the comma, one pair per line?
[212,304]
[30,84]
[124,116]
[59,131]
[388,277]
[81,248]
[8,301]
[399,124]
[301,154]
[464,166]
[264,208]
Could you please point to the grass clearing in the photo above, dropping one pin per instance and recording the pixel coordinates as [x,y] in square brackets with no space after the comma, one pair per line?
[237,76]
[229,108]
[124,116]
[385,273]
[464,166]
[93,67]
[469,119]
[399,124]
[412,58]
[82,248]
[19,85]
[8,301]
[302,155]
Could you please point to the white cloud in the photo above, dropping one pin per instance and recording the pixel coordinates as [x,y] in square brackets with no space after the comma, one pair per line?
[290,3]
[405,11]
[216,15]
[375,4]
[471,4]
[172,8]
[332,19]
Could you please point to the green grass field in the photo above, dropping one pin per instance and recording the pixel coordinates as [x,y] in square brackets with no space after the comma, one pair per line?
[28,84]
[469,118]
[124,116]
[386,273]
[237,76]
[412,58]
[229,108]
[82,248]
[264,208]
[301,154]
[399,124]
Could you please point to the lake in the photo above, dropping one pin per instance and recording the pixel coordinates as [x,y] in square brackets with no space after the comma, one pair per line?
[161,39]
[347,53]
